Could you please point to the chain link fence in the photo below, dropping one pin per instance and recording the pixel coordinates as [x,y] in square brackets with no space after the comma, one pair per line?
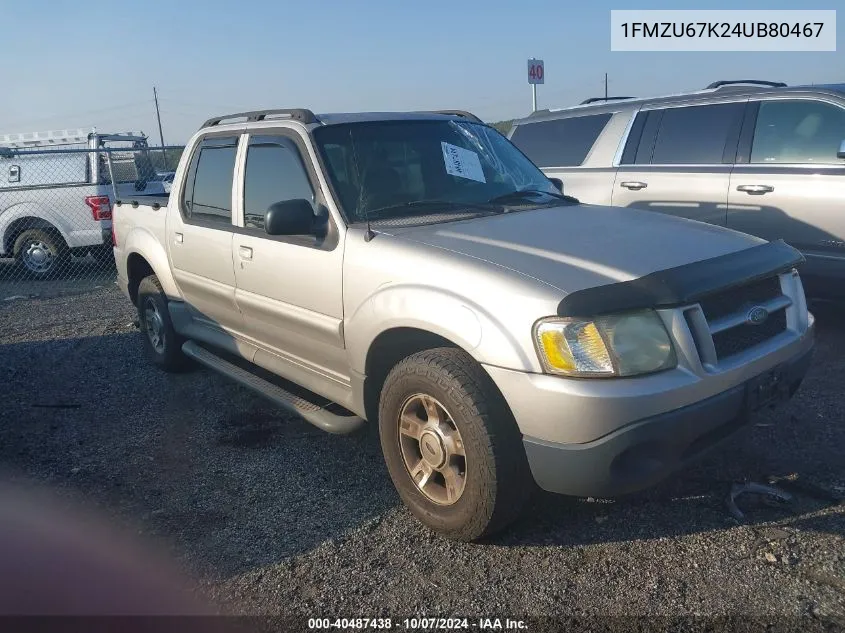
[57,191]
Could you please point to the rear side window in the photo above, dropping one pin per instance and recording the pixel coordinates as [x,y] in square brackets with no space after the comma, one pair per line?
[695,135]
[562,142]
[207,197]
[807,132]
[274,173]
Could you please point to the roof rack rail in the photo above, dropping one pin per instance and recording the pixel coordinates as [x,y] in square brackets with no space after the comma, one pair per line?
[754,82]
[297,114]
[597,99]
[461,113]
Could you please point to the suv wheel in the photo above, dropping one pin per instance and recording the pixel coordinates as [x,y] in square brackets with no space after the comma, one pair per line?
[162,344]
[452,447]
[40,252]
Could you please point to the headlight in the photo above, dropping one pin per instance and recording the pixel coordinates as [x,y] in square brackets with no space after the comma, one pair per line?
[614,345]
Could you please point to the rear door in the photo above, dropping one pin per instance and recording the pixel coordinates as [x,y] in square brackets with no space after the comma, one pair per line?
[788,182]
[199,236]
[562,148]
[678,160]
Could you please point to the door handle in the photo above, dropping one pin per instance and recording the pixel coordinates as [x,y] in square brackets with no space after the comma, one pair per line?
[179,238]
[634,185]
[755,190]
[245,252]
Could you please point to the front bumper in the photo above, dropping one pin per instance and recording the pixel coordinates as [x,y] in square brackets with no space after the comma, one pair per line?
[643,453]
[604,437]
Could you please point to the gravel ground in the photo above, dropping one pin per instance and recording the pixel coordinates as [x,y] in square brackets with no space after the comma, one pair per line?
[272,516]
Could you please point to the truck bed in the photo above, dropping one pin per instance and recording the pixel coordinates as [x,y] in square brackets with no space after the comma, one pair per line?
[150,200]
[147,213]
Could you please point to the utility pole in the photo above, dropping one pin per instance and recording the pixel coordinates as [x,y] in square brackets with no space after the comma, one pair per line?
[160,133]
[605,86]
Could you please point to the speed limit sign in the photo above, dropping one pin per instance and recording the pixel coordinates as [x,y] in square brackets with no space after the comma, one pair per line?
[536,73]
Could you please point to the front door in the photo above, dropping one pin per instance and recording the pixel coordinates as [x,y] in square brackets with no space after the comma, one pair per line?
[289,288]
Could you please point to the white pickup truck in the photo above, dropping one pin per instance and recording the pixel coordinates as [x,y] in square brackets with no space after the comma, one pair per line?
[57,190]
[415,270]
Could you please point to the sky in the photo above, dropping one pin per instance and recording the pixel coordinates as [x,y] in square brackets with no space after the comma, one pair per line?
[83,63]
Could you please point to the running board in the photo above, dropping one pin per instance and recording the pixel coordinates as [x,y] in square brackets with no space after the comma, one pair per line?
[311,412]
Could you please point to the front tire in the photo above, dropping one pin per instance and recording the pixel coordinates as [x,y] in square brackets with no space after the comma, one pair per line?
[162,344]
[452,447]
[41,253]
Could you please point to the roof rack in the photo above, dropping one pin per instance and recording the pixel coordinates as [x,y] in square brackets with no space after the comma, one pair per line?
[41,139]
[597,99]
[754,82]
[461,113]
[297,114]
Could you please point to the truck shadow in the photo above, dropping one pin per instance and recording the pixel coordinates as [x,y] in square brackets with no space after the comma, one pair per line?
[191,458]
[235,484]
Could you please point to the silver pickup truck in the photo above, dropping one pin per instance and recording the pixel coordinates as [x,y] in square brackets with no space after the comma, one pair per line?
[417,271]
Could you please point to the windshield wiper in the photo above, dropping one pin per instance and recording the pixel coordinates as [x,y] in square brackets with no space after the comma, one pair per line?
[446,206]
[527,193]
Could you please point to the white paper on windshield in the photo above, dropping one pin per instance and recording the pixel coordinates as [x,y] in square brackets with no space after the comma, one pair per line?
[462,162]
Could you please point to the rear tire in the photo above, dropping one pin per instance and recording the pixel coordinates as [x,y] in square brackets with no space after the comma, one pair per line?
[162,344]
[442,419]
[42,253]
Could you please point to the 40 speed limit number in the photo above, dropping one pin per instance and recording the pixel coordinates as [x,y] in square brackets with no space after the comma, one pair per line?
[536,71]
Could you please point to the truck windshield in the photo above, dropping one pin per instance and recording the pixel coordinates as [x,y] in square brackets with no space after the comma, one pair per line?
[419,167]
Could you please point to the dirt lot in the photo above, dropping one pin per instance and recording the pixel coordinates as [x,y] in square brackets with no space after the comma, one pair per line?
[273,516]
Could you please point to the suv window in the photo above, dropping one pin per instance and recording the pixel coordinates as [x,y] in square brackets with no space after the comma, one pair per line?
[403,158]
[695,135]
[561,142]
[274,173]
[797,132]
[416,169]
[208,192]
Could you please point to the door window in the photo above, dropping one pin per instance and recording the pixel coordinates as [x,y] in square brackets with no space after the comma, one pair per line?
[207,197]
[560,142]
[274,173]
[696,135]
[798,132]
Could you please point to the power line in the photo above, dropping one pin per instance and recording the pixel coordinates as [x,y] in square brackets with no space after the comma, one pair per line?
[206,105]
[85,113]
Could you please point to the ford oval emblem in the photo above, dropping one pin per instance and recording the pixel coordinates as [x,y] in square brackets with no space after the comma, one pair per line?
[757,316]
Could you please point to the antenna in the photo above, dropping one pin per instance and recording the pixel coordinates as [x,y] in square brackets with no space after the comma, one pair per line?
[369,234]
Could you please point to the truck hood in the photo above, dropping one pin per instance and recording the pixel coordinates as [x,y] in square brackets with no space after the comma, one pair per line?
[575,247]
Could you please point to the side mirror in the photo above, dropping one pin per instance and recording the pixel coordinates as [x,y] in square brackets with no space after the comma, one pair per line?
[841,152]
[557,182]
[289,217]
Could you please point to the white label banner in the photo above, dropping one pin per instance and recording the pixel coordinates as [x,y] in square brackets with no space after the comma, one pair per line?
[723,30]
[462,162]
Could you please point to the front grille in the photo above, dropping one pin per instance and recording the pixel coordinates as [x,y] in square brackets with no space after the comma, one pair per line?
[734,300]
[743,337]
